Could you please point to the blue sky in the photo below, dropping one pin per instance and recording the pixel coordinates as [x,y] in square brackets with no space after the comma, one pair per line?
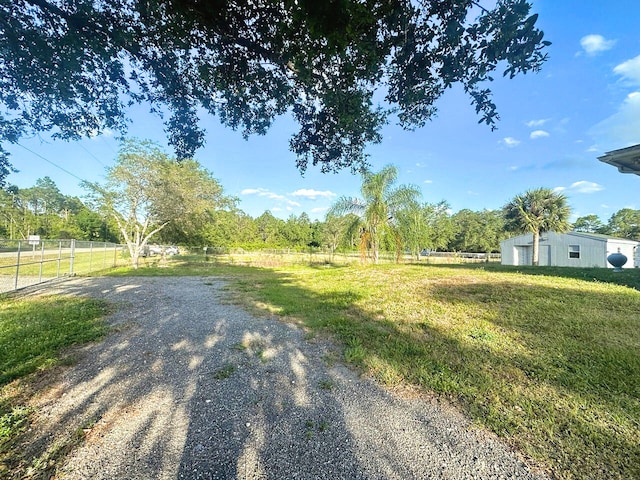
[553,126]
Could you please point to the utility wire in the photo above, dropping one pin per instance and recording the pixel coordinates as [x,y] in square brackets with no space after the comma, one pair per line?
[52,163]
[96,158]
[107,144]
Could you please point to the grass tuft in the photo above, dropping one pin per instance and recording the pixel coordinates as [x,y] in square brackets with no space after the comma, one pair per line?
[225,372]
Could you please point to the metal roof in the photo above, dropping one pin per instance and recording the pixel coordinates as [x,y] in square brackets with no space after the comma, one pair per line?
[627,160]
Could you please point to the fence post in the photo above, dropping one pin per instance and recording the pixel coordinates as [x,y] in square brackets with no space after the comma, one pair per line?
[41,261]
[90,255]
[15,284]
[59,258]
[73,251]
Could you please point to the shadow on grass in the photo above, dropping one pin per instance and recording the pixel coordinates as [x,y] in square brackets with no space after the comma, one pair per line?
[550,365]
[552,368]
[629,277]
[578,350]
[189,386]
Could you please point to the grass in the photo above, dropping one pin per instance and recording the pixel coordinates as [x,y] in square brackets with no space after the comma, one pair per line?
[311,426]
[33,335]
[224,372]
[50,265]
[33,331]
[547,358]
[326,384]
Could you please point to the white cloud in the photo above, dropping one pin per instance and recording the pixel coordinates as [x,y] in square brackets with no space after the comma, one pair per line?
[623,127]
[106,133]
[428,181]
[538,134]
[582,186]
[262,192]
[313,194]
[510,142]
[537,123]
[319,209]
[594,44]
[250,191]
[629,70]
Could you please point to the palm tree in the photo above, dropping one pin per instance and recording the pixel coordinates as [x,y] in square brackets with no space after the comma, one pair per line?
[380,201]
[536,211]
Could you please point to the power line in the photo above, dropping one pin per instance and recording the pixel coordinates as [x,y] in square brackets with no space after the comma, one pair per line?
[107,144]
[96,158]
[52,163]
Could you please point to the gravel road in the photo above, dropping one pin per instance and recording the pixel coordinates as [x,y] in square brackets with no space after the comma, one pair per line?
[188,387]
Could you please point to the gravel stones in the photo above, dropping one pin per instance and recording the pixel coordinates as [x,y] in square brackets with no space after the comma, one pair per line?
[188,387]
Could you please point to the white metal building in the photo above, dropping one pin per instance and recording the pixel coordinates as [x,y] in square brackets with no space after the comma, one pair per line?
[572,249]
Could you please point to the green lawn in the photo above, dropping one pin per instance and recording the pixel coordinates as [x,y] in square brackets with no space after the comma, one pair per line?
[33,334]
[51,266]
[549,359]
[33,331]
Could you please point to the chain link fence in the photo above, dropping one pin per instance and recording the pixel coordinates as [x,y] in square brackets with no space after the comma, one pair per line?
[24,263]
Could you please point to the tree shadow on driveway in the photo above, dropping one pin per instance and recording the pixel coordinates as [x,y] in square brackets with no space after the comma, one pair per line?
[188,387]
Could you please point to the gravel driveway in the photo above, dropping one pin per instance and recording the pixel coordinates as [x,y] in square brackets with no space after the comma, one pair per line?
[188,387]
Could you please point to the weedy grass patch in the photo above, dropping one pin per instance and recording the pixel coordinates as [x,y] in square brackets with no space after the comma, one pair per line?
[34,330]
[33,334]
[546,358]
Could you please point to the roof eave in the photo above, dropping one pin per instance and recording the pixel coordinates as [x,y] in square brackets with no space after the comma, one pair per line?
[626,160]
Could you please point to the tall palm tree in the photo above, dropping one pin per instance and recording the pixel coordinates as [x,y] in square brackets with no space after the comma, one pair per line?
[537,211]
[378,205]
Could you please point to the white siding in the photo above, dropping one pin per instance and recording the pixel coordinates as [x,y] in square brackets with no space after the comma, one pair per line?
[627,249]
[588,250]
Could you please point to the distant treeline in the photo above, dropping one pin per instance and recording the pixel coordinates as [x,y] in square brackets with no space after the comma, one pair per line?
[43,210]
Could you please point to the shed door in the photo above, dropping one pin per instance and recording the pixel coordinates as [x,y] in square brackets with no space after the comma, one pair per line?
[544,255]
[522,255]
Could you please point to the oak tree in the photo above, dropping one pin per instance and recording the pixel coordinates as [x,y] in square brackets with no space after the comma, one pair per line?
[72,68]
[147,191]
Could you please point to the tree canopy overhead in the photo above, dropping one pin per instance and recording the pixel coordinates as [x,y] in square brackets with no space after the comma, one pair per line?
[72,67]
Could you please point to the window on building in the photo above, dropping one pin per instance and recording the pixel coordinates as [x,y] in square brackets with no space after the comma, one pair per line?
[574,251]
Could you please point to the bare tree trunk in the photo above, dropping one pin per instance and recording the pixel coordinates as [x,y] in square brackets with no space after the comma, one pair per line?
[374,248]
[536,248]
[374,244]
[137,242]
